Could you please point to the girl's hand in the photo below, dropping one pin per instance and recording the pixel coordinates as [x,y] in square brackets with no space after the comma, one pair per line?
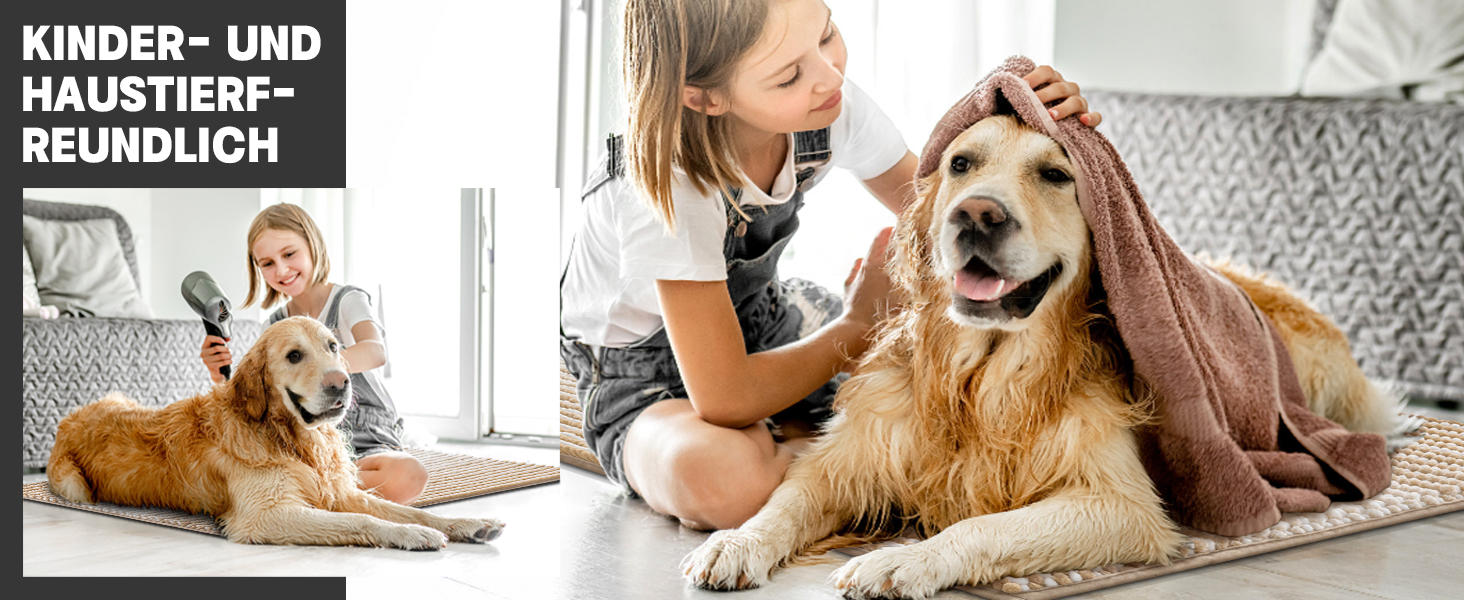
[215,357]
[868,290]
[1057,89]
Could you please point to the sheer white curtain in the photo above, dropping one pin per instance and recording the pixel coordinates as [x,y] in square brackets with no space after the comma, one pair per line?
[915,58]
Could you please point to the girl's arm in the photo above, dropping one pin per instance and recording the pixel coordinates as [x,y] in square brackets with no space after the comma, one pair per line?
[895,188]
[368,352]
[731,388]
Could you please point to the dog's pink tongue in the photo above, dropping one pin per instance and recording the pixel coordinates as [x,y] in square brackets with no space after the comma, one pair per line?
[982,288]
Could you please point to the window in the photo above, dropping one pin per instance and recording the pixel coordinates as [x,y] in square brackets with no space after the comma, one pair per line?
[467,358]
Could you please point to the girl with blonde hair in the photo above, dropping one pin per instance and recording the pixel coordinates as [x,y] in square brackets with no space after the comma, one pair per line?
[685,343]
[288,262]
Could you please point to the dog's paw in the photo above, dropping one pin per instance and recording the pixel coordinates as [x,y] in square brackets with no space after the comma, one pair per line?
[413,537]
[898,572]
[474,531]
[730,560]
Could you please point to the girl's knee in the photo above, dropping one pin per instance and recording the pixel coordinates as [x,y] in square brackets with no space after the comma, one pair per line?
[412,473]
[402,477]
[720,486]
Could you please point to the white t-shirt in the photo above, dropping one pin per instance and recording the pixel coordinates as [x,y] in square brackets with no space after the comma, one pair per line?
[609,292]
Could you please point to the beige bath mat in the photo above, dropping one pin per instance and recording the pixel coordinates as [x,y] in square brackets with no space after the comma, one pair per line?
[572,447]
[1427,480]
[449,477]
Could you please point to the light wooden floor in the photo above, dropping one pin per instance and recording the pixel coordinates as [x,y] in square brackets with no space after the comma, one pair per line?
[582,539]
[615,547]
[522,564]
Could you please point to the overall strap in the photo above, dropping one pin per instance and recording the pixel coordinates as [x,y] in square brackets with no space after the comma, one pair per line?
[612,166]
[615,151]
[331,315]
[810,149]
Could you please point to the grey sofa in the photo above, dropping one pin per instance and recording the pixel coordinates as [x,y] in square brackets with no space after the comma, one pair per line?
[69,362]
[1356,204]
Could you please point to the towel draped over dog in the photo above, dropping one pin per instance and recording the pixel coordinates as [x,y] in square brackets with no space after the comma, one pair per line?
[1233,444]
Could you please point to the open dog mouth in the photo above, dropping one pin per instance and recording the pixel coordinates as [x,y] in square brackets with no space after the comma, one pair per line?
[983,292]
[336,409]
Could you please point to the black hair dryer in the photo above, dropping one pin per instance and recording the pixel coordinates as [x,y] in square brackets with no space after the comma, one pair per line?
[206,298]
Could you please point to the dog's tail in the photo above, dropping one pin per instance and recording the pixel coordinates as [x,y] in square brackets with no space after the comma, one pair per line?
[67,480]
[1387,413]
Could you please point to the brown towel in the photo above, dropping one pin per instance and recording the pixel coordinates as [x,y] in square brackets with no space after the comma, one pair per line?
[1234,444]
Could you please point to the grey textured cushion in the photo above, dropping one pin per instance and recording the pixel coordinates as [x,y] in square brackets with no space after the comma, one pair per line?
[68,363]
[80,268]
[29,291]
[1356,204]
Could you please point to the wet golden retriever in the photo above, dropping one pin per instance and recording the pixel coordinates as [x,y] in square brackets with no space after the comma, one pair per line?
[259,452]
[994,413]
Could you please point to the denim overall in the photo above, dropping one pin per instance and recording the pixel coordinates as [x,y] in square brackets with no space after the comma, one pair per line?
[372,425]
[615,386]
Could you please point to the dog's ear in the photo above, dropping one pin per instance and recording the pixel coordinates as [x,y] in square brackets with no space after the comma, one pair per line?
[252,386]
[910,262]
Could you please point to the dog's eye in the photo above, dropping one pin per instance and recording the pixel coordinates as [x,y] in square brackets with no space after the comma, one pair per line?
[333,347]
[1056,176]
[960,164]
[294,357]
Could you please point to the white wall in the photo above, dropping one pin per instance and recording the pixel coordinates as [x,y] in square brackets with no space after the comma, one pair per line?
[1208,47]
[200,230]
[460,92]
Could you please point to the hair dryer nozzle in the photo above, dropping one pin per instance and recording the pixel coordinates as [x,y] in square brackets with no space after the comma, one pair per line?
[206,298]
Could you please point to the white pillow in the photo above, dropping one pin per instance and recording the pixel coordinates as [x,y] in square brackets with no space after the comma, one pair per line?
[31,294]
[80,268]
[1391,49]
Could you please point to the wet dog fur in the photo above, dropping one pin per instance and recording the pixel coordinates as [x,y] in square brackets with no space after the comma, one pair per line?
[259,452]
[995,413]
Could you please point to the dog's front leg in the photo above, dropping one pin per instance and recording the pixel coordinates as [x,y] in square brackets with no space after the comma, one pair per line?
[1070,531]
[267,507]
[822,492]
[457,529]
[797,514]
[294,524]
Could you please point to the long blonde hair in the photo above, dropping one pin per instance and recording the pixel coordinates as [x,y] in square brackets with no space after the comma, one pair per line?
[284,217]
[670,44]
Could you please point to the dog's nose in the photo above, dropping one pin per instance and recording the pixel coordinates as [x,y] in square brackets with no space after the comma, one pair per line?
[981,214]
[336,381]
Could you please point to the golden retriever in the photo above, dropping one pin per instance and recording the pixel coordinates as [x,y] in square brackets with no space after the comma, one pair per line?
[259,452]
[994,412]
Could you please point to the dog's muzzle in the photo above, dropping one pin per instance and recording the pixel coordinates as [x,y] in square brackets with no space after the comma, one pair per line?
[340,398]
[982,289]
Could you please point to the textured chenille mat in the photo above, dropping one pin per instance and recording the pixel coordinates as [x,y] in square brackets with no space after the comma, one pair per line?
[449,477]
[1427,480]
[572,447]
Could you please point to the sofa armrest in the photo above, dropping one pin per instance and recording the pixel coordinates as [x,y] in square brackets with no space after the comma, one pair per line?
[67,363]
[1356,204]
